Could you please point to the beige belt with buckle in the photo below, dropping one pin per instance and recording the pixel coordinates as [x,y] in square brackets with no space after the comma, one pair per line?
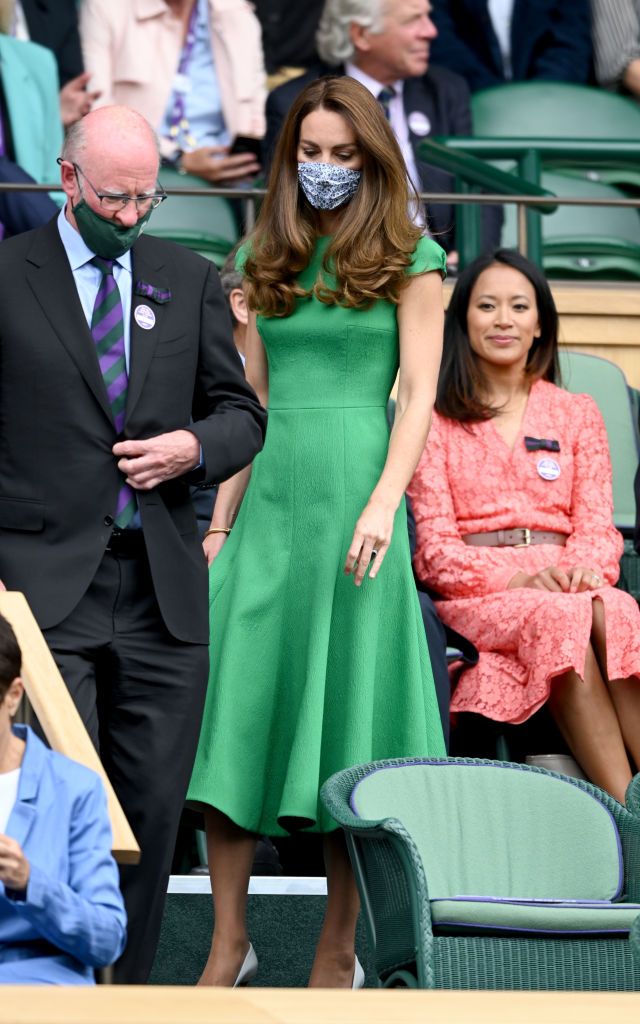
[518,537]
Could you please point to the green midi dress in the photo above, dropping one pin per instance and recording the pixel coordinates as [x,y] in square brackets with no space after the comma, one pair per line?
[309,673]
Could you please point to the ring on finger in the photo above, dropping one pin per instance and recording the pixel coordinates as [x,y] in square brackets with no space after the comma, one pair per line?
[374,552]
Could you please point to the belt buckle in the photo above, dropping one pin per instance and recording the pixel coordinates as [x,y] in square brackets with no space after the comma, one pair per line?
[526,535]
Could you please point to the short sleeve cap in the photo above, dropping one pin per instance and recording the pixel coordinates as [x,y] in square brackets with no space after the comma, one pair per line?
[428,255]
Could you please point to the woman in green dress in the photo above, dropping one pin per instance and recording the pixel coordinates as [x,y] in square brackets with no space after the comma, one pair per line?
[318,653]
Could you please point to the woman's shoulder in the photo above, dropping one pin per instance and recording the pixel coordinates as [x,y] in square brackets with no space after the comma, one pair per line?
[428,255]
[574,404]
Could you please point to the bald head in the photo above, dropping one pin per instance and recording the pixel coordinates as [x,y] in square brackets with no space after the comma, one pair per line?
[111,150]
[111,137]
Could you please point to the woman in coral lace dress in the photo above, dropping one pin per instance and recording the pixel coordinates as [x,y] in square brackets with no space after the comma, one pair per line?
[513,505]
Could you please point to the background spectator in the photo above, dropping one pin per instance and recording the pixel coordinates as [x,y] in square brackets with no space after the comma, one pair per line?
[288,36]
[494,41]
[616,44]
[386,46]
[54,24]
[21,211]
[193,68]
[61,912]
[31,131]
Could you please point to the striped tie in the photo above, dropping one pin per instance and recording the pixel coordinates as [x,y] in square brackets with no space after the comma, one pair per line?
[107,330]
[384,99]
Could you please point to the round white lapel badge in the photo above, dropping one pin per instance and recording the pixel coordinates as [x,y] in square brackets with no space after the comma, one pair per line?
[419,123]
[548,469]
[144,317]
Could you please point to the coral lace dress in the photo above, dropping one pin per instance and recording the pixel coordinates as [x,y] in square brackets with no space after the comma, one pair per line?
[469,481]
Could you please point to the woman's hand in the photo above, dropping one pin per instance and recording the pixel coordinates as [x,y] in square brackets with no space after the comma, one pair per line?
[212,546]
[547,579]
[583,579]
[573,581]
[14,866]
[371,540]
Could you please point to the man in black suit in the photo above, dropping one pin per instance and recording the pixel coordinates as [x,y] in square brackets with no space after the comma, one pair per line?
[120,384]
[515,41]
[386,45]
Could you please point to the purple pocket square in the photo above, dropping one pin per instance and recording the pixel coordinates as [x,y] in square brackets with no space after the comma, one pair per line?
[160,295]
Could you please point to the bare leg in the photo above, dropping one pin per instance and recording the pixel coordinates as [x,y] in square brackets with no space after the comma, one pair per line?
[335,953]
[625,693]
[230,850]
[586,717]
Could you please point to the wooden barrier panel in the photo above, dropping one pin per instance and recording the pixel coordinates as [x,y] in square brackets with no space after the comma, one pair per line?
[57,713]
[149,1005]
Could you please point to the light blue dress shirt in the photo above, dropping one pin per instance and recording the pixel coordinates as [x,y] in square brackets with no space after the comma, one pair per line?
[203,107]
[88,278]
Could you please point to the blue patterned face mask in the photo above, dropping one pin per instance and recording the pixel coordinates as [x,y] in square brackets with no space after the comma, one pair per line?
[327,186]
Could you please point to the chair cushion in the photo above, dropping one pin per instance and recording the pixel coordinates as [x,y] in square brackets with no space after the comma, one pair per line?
[591,918]
[498,830]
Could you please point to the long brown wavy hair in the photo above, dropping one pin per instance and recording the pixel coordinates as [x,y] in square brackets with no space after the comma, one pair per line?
[374,243]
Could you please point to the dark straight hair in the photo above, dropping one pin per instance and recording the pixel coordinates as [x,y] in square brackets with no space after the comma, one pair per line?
[10,657]
[460,384]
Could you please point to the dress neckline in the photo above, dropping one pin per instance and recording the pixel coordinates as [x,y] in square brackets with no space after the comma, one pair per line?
[520,433]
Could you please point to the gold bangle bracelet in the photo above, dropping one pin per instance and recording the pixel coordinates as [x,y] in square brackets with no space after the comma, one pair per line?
[218,529]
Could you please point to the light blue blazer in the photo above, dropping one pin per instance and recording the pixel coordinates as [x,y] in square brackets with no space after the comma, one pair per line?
[30,83]
[72,917]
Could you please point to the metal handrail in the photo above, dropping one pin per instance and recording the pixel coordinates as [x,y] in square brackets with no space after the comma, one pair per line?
[249,198]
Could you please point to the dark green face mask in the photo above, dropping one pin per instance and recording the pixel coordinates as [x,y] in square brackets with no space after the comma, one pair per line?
[104,237]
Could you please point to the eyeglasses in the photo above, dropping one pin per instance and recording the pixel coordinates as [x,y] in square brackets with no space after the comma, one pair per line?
[115,201]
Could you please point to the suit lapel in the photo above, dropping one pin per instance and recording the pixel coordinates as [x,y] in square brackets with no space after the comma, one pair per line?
[51,280]
[418,101]
[23,813]
[150,270]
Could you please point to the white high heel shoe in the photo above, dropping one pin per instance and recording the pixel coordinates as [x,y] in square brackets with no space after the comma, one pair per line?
[358,975]
[249,969]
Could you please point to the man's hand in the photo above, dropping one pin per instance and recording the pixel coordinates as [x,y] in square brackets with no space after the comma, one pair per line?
[214,164]
[149,463]
[75,101]
[14,866]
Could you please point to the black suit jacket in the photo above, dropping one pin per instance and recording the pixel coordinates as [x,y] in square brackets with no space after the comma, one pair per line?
[58,476]
[550,39]
[440,96]
[54,24]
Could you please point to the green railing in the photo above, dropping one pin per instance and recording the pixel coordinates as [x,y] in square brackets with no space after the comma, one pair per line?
[530,156]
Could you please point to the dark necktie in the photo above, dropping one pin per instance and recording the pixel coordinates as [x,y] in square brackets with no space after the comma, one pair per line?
[107,330]
[384,99]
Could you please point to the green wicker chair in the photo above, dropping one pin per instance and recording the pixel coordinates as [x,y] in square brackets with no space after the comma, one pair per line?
[485,875]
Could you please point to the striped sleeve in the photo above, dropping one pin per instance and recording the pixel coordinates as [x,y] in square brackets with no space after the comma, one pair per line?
[616,37]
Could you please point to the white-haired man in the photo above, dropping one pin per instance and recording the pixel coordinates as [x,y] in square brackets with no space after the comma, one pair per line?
[385,44]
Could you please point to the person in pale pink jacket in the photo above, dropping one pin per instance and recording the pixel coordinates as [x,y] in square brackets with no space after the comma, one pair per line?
[193,68]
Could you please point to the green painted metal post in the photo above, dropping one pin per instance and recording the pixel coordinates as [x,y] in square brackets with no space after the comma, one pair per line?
[530,168]
[468,236]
